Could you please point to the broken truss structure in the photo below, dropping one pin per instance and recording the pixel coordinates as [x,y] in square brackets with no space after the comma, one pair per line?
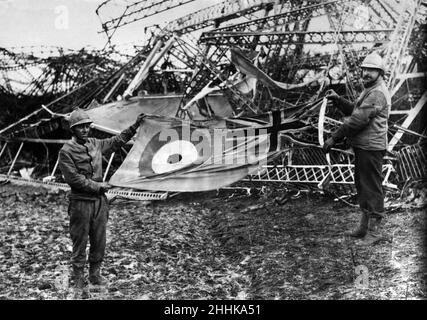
[278,32]
[412,162]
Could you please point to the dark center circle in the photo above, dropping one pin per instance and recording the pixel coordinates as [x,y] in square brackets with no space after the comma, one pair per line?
[174,158]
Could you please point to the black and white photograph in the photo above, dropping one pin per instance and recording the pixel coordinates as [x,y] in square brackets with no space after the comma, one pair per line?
[213,155]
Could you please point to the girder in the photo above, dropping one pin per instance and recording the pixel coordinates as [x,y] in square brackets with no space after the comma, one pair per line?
[297,37]
[400,40]
[212,15]
[312,174]
[281,20]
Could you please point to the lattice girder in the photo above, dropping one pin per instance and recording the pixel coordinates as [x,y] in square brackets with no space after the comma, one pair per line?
[298,37]
[306,174]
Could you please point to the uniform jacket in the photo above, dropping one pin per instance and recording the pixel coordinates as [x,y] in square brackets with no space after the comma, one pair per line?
[81,164]
[366,127]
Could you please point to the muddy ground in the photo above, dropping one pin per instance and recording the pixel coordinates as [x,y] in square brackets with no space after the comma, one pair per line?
[215,246]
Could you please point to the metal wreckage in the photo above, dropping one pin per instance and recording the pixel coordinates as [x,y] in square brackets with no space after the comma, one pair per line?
[253,72]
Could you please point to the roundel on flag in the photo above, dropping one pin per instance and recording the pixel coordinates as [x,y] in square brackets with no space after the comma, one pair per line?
[168,155]
[173,156]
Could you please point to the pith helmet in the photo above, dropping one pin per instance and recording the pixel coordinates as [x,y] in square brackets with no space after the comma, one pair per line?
[373,60]
[77,117]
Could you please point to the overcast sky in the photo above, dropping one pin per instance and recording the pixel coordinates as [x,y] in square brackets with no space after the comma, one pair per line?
[71,23]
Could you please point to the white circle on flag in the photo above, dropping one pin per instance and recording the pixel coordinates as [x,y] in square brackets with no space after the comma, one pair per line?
[174,156]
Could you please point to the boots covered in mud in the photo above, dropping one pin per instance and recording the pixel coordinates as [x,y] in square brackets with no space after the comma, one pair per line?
[78,279]
[95,277]
[374,233]
[362,229]
[369,229]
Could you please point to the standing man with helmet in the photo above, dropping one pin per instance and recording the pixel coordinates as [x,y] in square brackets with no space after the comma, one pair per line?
[80,161]
[366,129]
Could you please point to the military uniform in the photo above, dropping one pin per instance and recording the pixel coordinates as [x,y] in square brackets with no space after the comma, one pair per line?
[81,166]
[366,130]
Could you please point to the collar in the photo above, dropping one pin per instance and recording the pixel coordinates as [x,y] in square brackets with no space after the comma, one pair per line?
[74,140]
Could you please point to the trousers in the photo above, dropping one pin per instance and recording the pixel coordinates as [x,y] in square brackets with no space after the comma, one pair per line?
[88,221]
[368,180]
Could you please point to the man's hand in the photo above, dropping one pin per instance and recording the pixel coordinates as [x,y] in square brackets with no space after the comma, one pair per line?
[332,95]
[329,143]
[140,118]
[105,187]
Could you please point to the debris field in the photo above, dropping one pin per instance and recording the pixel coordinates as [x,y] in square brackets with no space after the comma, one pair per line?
[215,246]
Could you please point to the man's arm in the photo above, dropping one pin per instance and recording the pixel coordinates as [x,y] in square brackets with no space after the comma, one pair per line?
[75,179]
[361,117]
[114,143]
[342,104]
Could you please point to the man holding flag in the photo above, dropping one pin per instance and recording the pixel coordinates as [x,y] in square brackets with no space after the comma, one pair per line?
[80,161]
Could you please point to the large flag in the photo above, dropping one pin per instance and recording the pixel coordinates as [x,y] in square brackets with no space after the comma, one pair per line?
[171,154]
[119,115]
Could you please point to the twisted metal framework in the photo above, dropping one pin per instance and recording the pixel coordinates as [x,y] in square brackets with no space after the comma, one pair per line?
[282,21]
[60,83]
[264,33]
[400,40]
[412,162]
[407,101]
[72,75]
[279,37]
[214,15]
[132,12]
[33,73]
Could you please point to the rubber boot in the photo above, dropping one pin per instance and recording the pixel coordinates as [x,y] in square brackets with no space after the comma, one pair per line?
[362,229]
[78,278]
[95,277]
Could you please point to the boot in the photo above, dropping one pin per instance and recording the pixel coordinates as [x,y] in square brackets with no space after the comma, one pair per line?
[78,278]
[373,235]
[362,229]
[95,277]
